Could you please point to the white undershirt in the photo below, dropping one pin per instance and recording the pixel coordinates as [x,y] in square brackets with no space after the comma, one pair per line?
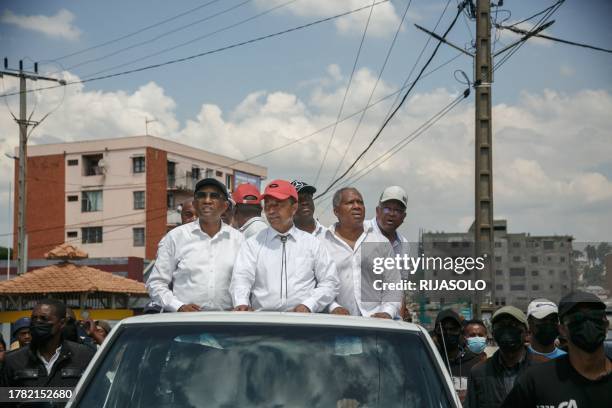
[52,360]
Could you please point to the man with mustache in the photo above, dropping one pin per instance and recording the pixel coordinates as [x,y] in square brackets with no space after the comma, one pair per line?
[344,241]
[283,268]
[582,377]
[194,262]
[491,381]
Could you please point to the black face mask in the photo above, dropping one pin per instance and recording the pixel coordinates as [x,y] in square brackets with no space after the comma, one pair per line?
[587,334]
[508,338]
[41,332]
[451,341]
[546,333]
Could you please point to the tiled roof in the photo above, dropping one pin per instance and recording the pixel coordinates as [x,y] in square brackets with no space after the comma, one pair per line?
[66,277]
[66,251]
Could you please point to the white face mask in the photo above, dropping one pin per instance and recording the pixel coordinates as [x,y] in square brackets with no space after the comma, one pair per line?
[476,344]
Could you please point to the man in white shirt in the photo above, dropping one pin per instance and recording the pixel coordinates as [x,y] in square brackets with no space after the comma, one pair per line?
[344,242]
[194,262]
[390,215]
[247,215]
[304,217]
[283,268]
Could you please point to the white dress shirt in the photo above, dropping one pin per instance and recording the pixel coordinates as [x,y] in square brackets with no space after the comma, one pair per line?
[348,265]
[400,245]
[198,266]
[308,276]
[253,226]
[319,229]
[49,364]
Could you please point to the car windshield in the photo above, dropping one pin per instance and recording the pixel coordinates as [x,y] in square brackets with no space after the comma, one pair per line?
[264,366]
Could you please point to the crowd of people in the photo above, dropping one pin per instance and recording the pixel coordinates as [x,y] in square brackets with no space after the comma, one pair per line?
[225,256]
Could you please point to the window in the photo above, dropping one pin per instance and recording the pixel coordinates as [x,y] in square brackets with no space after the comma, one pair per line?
[73,198]
[229,181]
[219,173]
[73,162]
[535,287]
[534,259]
[139,200]
[499,272]
[549,258]
[499,287]
[139,237]
[517,271]
[517,287]
[549,245]
[195,173]
[454,244]
[498,245]
[209,173]
[562,259]
[138,164]
[552,286]
[91,235]
[90,165]
[498,259]
[170,202]
[72,234]
[465,244]
[535,273]
[171,172]
[516,259]
[91,201]
[516,245]
[551,272]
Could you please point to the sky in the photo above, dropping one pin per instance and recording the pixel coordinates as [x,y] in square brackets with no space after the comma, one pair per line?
[551,102]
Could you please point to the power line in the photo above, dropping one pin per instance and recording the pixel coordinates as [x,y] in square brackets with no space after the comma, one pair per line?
[435,51]
[382,69]
[205,53]
[520,31]
[539,13]
[123,37]
[348,86]
[157,37]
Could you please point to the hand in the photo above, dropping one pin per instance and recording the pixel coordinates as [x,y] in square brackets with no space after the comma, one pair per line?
[382,315]
[301,309]
[189,308]
[340,311]
[243,308]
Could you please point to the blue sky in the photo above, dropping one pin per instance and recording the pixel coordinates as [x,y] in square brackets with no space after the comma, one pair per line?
[296,82]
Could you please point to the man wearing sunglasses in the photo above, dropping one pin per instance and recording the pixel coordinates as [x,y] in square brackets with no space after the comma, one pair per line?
[491,381]
[194,262]
[283,268]
[583,377]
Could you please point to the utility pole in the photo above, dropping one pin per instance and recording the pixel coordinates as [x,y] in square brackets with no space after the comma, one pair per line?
[484,229]
[23,122]
[483,78]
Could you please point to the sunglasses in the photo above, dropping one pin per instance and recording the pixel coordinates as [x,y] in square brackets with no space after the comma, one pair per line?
[203,195]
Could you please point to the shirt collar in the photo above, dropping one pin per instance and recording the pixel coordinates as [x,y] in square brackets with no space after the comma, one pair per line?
[293,231]
[249,222]
[194,226]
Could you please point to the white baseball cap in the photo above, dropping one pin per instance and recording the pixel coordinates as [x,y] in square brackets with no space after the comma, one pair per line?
[394,193]
[540,308]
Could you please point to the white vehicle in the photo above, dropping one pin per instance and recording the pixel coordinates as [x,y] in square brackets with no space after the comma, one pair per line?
[257,359]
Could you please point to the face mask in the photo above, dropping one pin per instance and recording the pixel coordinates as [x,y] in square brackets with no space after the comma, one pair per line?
[476,344]
[546,334]
[41,332]
[587,334]
[451,341]
[508,338]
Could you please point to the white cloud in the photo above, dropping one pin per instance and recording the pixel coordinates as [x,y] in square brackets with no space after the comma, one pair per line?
[384,20]
[60,25]
[552,165]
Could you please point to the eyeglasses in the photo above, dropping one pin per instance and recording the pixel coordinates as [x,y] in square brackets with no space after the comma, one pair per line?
[211,195]
[389,210]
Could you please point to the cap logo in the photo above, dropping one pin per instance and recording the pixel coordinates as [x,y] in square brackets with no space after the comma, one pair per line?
[273,185]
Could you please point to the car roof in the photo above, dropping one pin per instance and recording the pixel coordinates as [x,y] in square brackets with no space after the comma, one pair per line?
[272,318]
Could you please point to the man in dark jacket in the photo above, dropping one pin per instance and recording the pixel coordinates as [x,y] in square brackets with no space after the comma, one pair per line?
[490,381]
[48,361]
[449,339]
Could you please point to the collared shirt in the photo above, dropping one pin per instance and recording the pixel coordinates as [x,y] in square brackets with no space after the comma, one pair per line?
[52,360]
[198,266]
[400,244]
[308,276]
[319,229]
[557,352]
[253,226]
[348,264]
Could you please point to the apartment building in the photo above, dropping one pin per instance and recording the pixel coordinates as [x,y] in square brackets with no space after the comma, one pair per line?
[525,266]
[116,197]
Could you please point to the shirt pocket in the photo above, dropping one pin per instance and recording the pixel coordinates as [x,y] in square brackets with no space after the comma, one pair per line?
[71,373]
[25,374]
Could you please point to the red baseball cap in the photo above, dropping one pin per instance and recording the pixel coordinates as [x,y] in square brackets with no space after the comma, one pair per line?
[281,190]
[246,194]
